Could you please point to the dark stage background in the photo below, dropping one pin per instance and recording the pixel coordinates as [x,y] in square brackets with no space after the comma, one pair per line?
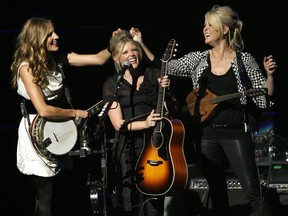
[85,27]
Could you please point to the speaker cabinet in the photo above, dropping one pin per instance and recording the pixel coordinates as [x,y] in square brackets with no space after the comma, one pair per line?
[195,200]
[278,176]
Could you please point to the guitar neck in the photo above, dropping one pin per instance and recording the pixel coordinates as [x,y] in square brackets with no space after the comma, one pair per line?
[161,97]
[161,93]
[251,93]
[95,108]
[225,97]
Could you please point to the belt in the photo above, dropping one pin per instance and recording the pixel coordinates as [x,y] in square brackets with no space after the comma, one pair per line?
[229,126]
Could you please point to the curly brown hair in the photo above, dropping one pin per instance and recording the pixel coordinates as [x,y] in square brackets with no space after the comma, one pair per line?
[31,48]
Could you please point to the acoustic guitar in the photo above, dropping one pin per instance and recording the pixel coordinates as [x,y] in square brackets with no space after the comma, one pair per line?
[161,167]
[202,106]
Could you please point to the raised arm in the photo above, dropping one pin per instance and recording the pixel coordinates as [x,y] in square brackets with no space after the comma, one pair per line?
[137,36]
[270,67]
[99,58]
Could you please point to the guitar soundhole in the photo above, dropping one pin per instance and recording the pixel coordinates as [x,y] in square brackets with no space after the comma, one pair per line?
[157,139]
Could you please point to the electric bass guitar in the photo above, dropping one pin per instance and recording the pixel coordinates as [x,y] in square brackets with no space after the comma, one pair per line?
[203,106]
[162,167]
[52,139]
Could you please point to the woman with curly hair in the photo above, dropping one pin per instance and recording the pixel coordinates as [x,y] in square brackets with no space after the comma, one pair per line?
[40,83]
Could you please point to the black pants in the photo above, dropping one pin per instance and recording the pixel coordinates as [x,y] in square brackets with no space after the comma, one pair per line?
[43,195]
[241,157]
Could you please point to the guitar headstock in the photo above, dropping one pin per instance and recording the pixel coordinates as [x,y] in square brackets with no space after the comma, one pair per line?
[170,50]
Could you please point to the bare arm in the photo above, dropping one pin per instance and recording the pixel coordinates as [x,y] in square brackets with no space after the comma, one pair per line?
[37,98]
[137,36]
[99,58]
[116,117]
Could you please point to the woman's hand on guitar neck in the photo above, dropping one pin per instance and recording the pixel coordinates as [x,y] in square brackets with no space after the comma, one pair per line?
[164,81]
[152,119]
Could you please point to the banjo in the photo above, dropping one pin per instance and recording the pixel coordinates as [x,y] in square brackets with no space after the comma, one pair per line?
[52,138]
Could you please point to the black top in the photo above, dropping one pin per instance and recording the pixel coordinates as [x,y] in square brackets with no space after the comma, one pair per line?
[229,112]
[134,102]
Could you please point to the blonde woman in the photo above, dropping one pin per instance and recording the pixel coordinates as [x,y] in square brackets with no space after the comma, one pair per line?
[225,136]
[136,95]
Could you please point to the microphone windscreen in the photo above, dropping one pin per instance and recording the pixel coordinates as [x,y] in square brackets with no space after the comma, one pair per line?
[126,64]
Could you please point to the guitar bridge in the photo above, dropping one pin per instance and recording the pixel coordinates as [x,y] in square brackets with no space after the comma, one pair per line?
[154,162]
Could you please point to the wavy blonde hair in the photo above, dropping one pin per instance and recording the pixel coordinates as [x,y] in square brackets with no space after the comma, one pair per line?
[117,43]
[31,47]
[221,16]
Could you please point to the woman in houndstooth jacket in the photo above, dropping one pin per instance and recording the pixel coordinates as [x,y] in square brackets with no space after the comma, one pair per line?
[224,138]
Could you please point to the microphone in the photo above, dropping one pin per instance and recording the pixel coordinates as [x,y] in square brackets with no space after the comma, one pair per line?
[126,65]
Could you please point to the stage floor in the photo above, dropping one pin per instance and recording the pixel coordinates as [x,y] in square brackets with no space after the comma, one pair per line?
[72,191]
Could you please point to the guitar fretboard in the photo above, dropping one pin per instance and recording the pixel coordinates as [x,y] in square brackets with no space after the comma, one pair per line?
[250,93]
[161,93]
[95,108]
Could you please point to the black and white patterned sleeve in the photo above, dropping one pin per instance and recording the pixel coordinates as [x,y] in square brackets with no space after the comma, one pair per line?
[184,66]
[258,80]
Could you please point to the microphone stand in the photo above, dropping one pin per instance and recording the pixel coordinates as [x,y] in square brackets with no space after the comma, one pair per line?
[100,128]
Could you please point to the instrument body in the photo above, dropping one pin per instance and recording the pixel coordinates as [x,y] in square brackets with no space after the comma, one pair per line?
[53,138]
[161,167]
[203,107]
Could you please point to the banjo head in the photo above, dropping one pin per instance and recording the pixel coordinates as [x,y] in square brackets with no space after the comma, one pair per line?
[63,136]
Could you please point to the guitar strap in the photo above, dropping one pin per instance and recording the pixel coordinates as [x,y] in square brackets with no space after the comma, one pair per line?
[65,85]
[24,110]
[245,80]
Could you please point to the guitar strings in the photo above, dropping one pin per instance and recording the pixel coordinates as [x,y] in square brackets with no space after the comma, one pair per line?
[257,92]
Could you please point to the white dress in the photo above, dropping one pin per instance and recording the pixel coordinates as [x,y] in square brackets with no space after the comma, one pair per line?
[29,162]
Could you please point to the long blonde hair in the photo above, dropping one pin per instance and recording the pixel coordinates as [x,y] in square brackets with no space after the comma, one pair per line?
[220,16]
[31,47]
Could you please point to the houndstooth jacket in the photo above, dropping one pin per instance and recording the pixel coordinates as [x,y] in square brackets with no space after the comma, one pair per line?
[193,64]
